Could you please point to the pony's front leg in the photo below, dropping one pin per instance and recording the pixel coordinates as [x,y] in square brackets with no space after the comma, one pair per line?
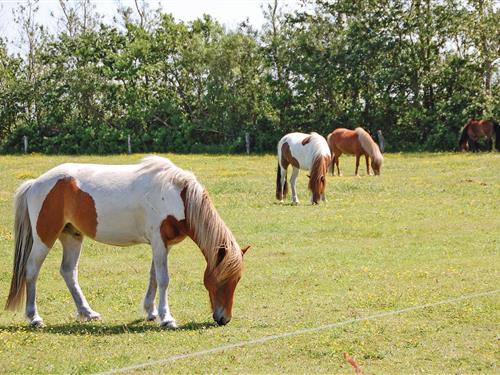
[293,183]
[160,255]
[367,160]
[72,246]
[149,298]
[35,260]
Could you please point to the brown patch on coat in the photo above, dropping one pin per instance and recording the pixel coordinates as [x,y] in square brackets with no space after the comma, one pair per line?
[173,231]
[66,204]
[306,140]
[287,157]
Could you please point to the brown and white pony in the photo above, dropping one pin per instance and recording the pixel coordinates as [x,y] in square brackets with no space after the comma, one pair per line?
[302,151]
[357,142]
[474,130]
[153,202]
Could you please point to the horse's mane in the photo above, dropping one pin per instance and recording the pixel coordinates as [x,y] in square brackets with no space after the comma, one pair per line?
[369,145]
[318,160]
[209,231]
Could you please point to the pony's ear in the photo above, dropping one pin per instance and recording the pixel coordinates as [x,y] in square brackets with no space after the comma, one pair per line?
[221,253]
[244,250]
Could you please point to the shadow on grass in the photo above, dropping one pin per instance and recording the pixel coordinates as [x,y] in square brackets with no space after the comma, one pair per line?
[102,329]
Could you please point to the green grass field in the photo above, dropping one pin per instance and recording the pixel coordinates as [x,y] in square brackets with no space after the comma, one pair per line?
[426,230]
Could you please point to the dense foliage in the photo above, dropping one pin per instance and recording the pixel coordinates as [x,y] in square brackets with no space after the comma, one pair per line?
[416,69]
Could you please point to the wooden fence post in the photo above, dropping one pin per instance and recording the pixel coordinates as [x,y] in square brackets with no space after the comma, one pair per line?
[129,145]
[25,141]
[247,142]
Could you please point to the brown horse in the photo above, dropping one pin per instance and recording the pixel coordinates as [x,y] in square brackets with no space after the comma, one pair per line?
[474,130]
[357,142]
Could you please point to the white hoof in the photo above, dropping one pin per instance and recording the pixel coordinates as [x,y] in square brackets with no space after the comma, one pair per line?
[88,316]
[37,323]
[151,317]
[168,324]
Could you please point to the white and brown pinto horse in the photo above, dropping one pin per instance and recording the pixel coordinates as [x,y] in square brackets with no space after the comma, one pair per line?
[303,151]
[357,142]
[153,202]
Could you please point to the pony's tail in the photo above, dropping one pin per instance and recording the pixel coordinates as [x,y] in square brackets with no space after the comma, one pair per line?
[497,135]
[279,194]
[463,136]
[23,239]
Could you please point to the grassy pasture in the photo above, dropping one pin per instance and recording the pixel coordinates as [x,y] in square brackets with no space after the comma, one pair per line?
[426,230]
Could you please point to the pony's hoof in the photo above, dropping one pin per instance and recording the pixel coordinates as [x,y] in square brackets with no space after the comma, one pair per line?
[295,203]
[37,323]
[151,317]
[171,324]
[89,316]
[281,201]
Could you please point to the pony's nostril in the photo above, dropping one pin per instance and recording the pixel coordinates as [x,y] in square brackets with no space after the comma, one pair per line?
[222,321]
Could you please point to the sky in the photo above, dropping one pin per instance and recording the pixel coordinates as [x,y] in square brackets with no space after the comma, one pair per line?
[228,12]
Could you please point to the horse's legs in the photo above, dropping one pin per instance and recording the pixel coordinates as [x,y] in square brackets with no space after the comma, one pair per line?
[293,183]
[337,156]
[35,260]
[149,299]
[367,159]
[72,246]
[160,255]
[357,164]
[283,182]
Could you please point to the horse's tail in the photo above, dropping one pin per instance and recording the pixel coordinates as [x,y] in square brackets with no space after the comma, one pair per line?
[463,136]
[280,192]
[497,135]
[23,239]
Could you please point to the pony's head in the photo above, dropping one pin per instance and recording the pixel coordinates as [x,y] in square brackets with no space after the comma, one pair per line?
[377,165]
[221,280]
[317,179]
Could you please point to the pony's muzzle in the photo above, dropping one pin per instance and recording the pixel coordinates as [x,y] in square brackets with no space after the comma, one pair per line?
[220,317]
[222,321]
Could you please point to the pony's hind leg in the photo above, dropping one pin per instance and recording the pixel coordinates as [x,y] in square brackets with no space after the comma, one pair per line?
[160,255]
[72,245]
[149,298]
[358,156]
[337,156]
[293,183]
[35,260]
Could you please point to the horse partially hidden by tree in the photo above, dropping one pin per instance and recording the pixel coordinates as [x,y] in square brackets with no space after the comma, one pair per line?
[357,142]
[303,151]
[153,202]
[474,130]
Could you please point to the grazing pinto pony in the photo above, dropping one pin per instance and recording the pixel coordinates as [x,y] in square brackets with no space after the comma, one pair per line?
[153,202]
[303,151]
[474,130]
[357,142]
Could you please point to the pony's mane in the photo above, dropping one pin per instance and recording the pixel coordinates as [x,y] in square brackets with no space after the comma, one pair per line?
[209,231]
[369,146]
[319,163]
